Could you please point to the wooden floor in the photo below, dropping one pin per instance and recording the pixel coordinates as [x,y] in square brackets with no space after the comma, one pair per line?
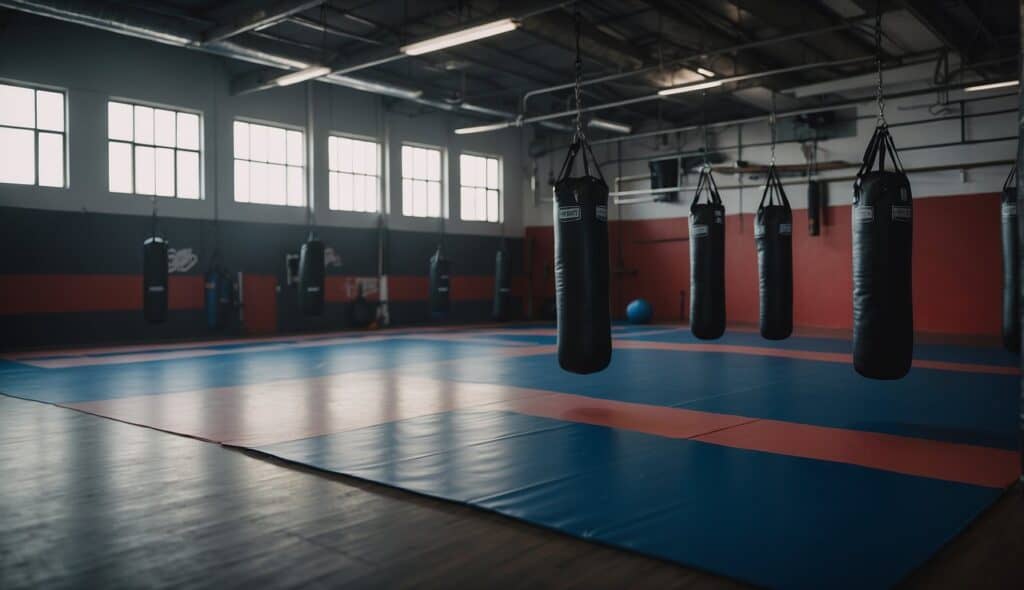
[87,502]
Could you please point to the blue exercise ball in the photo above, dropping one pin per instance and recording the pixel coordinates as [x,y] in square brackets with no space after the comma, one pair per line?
[639,311]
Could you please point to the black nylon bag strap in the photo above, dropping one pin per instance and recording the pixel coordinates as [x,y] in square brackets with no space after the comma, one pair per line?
[773,191]
[1011,179]
[706,182]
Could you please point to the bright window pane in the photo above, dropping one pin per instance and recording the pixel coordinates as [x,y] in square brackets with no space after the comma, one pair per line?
[419,198]
[406,197]
[468,204]
[145,181]
[143,125]
[346,156]
[17,106]
[492,173]
[433,164]
[164,172]
[241,181]
[296,198]
[492,206]
[188,131]
[372,198]
[50,111]
[332,154]
[241,140]
[188,175]
[277,147]
[277,180]
[258,183]
[120,167]
[119,121]
[419,164]
[433,199]
[258,143]
[294,148]
[17,156]
[345,196]
[163,123]
[51,159]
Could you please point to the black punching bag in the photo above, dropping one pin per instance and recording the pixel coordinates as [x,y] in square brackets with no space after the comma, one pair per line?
[502,285]
[882,219]
[311,276]
[581,265]
[773,235]
[154,279]
[707,261]
[1011,264]
[440,284]
[814,189]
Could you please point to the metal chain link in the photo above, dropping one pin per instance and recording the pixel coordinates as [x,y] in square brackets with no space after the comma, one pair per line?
[771,123]
[880,95]
[579,76]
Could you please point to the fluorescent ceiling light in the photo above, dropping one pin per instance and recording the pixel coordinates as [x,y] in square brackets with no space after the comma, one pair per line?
[483,128]
[459,37]
[302,75]
[992,86]
[705,72]
[690,88]
[375,87]
[610,126]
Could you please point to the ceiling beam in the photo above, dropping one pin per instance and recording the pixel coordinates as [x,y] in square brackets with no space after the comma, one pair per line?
[246,21]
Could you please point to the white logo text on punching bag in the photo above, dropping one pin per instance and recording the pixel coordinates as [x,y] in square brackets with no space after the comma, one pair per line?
[1009,209]
[601,213]
[785,229]
[570,214]
[698,231]
[865,215]
[901,213]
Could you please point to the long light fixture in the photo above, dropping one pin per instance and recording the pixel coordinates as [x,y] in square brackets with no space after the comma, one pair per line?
[690,88]
[992,86]
[610,126]
[374,87]
[460,37]
[302,75]
[705,72]
[483,128]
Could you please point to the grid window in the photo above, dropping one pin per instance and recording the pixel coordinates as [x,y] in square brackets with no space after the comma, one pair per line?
[421,181]
[354,174]
[152,151]
[269,166]
[32,136]
[480,195]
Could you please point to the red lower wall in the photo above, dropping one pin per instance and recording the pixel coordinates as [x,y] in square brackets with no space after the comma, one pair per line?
[957,266]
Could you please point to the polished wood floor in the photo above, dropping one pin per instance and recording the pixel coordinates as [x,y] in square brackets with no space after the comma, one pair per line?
[87,502]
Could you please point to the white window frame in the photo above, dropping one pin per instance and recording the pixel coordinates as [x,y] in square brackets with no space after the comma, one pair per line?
[134,145]
[303,169]
[36,131]
[336,175]
[499,204]
[411,181]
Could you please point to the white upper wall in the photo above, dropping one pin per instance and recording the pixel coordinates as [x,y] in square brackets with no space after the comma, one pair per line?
[94,66]
[635,155]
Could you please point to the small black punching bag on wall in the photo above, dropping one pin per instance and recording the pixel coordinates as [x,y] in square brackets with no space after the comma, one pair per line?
[773,235]
[814,193]
[883,313]
[440,284]
[707,261]
[581,265]
[154,279]
[1011,264]
[311,276]
[502,285]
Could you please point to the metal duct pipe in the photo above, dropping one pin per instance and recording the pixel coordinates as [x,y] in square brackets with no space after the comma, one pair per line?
[152,27]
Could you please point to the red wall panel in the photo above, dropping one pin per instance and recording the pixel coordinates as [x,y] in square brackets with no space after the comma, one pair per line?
[260,295]
[957,266]
[70,293]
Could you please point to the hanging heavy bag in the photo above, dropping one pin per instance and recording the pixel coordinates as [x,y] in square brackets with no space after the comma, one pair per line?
[502,285]
[883,314]
[773,235]
[814,189]
[440,283]
[311,276]
[211,298]
[1011,262]
[707,261]
[362,312]
[581,265]
[154,279]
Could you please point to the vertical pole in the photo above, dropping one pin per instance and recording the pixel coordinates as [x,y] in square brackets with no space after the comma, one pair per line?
[1020,223]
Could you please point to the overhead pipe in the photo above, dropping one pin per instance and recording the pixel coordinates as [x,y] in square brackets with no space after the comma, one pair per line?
[850,23]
